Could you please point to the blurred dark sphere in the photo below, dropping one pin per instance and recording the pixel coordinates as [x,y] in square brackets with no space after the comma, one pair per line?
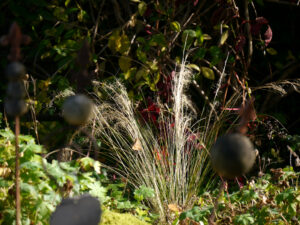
[232,155]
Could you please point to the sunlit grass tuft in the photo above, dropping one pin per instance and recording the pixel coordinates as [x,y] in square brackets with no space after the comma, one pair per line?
[172,156]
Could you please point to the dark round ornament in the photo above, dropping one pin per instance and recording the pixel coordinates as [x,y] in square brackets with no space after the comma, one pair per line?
[77,211]
[16,90]
[77,109]
[15,107]
[15,71]
[232,155]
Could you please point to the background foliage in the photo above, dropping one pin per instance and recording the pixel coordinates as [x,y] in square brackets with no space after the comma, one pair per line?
[141,43]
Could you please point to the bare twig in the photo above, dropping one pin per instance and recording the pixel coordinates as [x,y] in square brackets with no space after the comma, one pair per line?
[97,23]
[93,140]
[211,220]
[117,12]
[250,41]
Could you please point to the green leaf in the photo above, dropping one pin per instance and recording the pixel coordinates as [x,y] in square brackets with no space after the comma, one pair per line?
[271,51]
[31,166]
[142,7]
[208,73]
[292,209]
[158,40]
[59,13]
[81,15]
[152,65]
[194,66]
[216,54]
[199,35]
[86,163]
[143,192]
[114,41]
[142,72]
[244,219]
[188,37]
[125,205]
[130,73]
[206,37]
[29,189]
[97,190]
[119,43]
[175,26]
[67,2]
[156,78]
[26,138]
[124,44]
[142,56]
[224,37]
[67,167]
[124,63]
[8,134]
[200,53]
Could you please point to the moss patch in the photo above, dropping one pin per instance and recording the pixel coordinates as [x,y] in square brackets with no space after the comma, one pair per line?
[113,218]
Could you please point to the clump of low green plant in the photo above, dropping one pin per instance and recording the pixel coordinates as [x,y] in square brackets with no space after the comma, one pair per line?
[271,199]
[43,183]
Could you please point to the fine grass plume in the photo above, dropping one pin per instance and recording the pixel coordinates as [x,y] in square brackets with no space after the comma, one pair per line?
[169,155]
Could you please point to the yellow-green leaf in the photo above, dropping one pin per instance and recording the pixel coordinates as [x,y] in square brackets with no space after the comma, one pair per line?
[124,63]
[221,26]
[67,2]
[208,73]
[271,51]
[119,43]
[194,66]
[206,37]
[124,44]
[130,73]
[142,7]
[175,26]
[81,15]
[141,55]
[224,37]
[156,78]
[59,13]
[143,72]
[114,41]
[153,65]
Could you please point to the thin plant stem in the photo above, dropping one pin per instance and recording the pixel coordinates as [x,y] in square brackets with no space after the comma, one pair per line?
[211,220]
[17,172]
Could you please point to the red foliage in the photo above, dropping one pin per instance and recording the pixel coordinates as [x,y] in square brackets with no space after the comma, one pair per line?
[268,36]
[151,113]
[257,25]
[240,43]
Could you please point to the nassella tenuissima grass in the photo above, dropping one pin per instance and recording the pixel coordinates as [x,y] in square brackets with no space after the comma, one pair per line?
[172,158]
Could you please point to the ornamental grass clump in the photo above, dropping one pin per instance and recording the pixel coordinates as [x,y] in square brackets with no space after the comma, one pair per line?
[169,155]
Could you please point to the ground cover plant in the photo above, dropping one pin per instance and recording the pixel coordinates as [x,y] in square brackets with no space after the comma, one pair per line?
[161,81]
